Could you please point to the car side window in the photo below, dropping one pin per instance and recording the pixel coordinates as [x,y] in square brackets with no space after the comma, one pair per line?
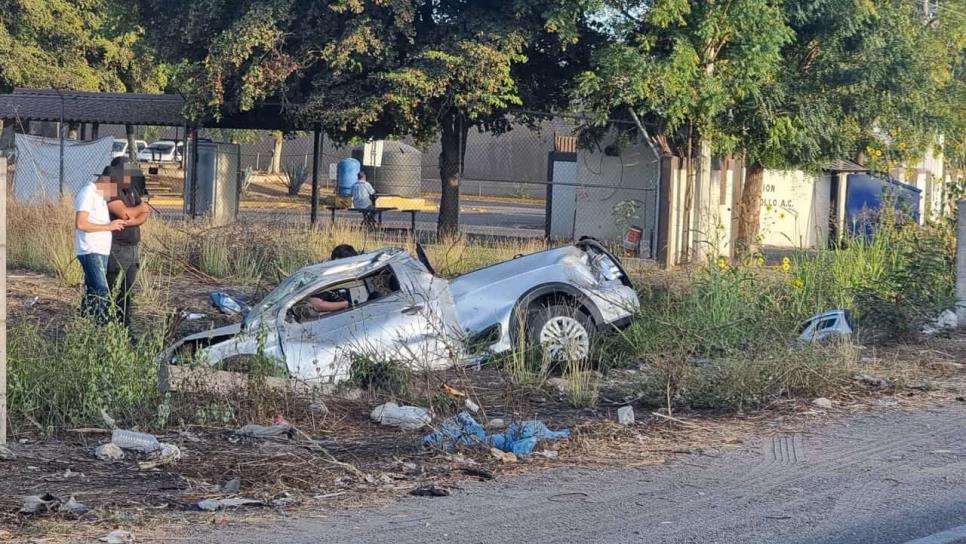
[343,296]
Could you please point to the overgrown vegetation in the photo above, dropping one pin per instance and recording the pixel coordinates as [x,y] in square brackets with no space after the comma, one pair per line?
[296,174]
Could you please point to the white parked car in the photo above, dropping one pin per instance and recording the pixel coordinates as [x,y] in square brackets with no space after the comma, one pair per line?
[399,310]
[120,147]
[161,151]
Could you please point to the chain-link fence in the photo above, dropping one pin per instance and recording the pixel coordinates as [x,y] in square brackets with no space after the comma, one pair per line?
[523,182]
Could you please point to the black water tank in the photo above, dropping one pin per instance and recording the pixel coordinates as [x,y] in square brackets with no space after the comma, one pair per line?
[400,171]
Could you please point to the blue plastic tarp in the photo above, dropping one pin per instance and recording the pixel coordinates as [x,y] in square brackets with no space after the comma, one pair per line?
[518,438]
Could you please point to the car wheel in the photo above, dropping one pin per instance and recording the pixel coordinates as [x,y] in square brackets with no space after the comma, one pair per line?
[562,331]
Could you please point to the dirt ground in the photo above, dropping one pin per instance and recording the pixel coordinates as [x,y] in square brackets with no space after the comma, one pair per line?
[342,459]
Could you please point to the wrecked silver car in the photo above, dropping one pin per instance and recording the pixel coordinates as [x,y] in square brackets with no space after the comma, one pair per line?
[399,310]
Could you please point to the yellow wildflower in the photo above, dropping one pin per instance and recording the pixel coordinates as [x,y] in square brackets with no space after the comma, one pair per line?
[799,283]
[722,263]
[786,264]
[760,261]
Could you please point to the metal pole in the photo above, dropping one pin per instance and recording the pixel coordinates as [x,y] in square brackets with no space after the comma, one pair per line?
[193,207]
[3,300]
[316,144]
[60,132]
[961,263]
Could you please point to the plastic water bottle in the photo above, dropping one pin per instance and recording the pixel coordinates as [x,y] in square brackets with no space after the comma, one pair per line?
[130,440]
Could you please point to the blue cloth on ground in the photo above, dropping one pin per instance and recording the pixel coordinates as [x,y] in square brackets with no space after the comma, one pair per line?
[519,438]
[227,304]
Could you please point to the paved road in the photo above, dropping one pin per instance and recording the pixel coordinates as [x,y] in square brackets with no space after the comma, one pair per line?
[881,478]
[488,218]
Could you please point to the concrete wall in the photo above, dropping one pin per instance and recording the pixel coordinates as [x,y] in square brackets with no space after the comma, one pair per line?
[605,181]
[795,209]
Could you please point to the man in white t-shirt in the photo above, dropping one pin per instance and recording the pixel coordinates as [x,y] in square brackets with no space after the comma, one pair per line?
[92,242]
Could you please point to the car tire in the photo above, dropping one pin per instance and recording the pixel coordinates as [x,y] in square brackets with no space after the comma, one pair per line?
[559,329]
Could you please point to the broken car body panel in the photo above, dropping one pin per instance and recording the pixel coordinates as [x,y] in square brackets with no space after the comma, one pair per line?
[399,311]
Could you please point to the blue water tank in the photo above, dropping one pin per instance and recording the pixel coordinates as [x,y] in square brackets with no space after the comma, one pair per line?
[348,175]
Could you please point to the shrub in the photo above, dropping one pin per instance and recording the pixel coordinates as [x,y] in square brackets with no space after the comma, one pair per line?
[65,380]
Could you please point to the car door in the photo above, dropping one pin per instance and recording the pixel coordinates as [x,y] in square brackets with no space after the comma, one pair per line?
[319,349]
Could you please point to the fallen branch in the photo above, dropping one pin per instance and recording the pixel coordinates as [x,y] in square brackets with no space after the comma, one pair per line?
[681,421]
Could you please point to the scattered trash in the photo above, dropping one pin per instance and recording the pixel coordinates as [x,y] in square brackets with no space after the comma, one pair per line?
[6,454]
[118,536]
[548,454]
[496,423]
[452,391]
[408,418]
[169,453]
[130,440]
[109,452]
[559,384]
[519,439]
[74,507]
[826,326]
[40,504]
[231,486]
[885,402]
[279,428]
[429,491]
[68,473]
[210,505]
[625,415]
[503,456]
[871,380]
[471,406]
[283,499]
[192,316]
[31,301]
[822,403]
[945,321]
[318,408]
[108,420]
[227,305]
[478,471]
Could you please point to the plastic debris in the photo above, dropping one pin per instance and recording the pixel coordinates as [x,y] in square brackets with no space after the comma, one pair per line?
[266,431]
[40,504]
[452,391]
[826,326]
[74,507]
[548,454]
[130,440]
[169,453]
[31,300]
[625,415]
[192,316]
[210,505]
[109,452]
[231,486]
[822,403]
[6,454]
[519,438]
[945,321]
[429,491]
[408,418]
[496,423]
[471,406]
[227,305]
[118,536]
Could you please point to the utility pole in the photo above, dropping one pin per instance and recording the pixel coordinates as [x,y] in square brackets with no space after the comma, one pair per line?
[3,301]
[316,151]
[60,133]
[961,263]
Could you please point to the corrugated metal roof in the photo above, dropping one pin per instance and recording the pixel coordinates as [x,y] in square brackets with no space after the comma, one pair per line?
[127,108]
[844,165]
[565,144]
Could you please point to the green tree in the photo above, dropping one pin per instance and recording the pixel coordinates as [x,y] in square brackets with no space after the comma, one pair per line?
[875,82]
[374,69]
[678,67]
[93,45]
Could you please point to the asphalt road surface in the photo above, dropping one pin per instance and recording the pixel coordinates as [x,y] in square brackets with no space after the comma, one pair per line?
[886,477]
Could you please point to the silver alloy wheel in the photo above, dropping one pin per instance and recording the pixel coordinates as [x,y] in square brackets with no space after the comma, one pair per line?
[565,336]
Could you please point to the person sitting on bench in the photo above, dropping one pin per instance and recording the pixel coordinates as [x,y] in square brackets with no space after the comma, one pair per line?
[363,198]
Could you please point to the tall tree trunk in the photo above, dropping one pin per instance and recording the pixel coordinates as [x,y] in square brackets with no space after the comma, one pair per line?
[276,165]
[453,149]
[132,148]
[749,210]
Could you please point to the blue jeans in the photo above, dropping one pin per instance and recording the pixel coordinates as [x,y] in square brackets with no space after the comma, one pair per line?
[96,290]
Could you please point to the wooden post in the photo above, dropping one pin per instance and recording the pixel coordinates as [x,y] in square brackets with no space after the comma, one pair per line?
[3,300]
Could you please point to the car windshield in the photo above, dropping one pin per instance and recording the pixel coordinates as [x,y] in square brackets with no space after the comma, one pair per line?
[119,146]
[287,288]
[161,147]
